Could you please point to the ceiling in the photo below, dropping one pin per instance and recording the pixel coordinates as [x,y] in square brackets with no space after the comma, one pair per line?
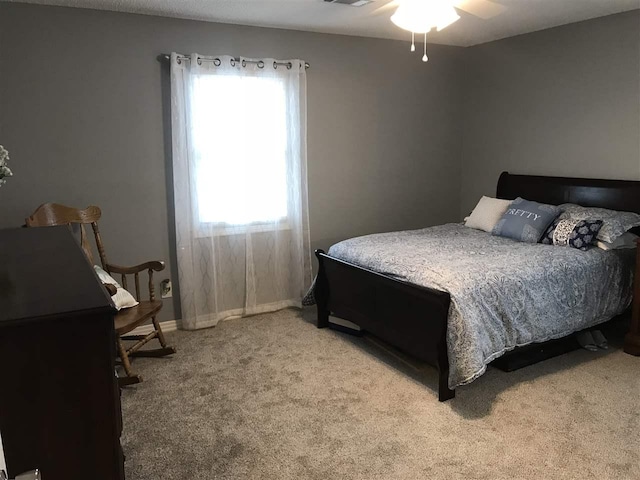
[520,16]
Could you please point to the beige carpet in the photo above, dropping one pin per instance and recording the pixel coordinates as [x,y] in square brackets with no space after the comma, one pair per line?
[273,397]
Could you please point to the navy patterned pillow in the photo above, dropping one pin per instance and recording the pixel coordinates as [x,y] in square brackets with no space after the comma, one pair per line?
[572,233]
[584,234]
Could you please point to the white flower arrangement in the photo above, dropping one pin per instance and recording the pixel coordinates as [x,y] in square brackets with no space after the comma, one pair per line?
[5,171]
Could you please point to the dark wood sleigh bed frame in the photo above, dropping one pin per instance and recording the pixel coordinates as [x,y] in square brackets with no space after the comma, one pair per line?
[413,318]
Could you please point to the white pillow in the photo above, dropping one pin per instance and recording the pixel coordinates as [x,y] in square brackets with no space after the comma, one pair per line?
[626,240]
[122,298]
[487,213]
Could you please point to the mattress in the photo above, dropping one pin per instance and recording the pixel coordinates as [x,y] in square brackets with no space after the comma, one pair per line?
[504,293]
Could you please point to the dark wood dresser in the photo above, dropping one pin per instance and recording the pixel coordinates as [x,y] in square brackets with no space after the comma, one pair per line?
[632,340]
[59,398]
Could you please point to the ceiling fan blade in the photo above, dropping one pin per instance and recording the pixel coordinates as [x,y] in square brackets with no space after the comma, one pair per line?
[484,9]
[387,7]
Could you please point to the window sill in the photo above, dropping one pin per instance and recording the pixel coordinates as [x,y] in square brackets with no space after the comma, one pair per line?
[208,230]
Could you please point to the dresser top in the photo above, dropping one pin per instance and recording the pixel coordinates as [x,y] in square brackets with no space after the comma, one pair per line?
[44,274]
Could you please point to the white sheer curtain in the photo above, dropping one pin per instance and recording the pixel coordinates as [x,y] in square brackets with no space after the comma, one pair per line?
[240,186]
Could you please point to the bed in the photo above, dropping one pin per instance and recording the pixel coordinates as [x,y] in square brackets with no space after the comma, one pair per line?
[474,297]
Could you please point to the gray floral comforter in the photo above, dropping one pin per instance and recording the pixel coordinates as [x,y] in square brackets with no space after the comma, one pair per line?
[504,293]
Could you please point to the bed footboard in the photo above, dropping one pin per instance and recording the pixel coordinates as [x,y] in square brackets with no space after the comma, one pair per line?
[411,318]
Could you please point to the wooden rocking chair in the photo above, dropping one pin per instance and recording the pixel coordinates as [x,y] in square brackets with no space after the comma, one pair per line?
[51,214]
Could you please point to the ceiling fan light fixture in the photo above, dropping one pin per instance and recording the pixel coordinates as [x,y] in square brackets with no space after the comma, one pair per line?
[413,17]
[420,16]
[351,3]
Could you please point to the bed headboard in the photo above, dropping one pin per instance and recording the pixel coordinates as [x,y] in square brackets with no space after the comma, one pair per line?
[621,195]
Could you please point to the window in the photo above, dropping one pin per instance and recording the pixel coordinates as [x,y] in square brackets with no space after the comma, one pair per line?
[239,135]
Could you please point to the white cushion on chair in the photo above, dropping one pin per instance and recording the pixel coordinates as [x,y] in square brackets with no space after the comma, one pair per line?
[122,298]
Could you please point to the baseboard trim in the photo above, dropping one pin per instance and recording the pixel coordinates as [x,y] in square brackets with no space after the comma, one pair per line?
[166,326]
[169,325]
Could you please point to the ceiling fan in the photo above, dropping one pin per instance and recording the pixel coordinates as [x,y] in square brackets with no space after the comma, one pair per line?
[421,16]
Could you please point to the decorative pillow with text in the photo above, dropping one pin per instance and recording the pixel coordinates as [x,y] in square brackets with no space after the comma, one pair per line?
[526,221]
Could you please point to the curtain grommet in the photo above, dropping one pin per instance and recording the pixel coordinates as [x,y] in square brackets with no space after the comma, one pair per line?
[244,63]
[217,62]
[289,65]
[199,60]
[232,62]
[275,65]
[260,64]
[178,61]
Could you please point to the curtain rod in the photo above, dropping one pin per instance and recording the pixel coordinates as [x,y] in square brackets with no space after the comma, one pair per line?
[165,57]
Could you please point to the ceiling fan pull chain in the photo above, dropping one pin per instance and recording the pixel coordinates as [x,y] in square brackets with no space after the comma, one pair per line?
[413,41]
[424,57]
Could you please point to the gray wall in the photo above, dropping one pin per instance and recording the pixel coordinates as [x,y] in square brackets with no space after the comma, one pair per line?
[563,101]
[393,143]
[81,113]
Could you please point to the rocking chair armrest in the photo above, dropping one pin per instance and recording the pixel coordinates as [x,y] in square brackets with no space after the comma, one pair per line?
[153,265]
